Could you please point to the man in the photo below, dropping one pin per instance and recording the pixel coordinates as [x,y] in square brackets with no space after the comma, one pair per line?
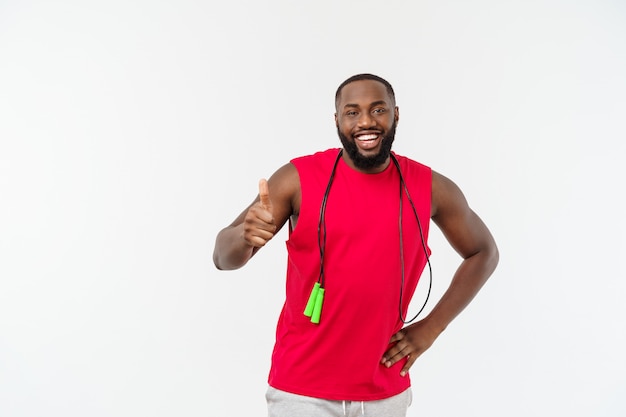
[358,228]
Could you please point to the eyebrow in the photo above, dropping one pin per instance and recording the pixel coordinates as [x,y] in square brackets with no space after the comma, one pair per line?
[373,104]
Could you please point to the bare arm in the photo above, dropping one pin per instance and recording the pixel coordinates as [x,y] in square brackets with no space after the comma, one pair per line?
[278,199]
[469,236]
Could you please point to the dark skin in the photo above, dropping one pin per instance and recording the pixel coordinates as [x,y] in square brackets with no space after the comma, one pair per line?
[366,111]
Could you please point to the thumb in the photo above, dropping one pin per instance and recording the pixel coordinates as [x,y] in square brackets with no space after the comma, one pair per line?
[410,361]
[264,194]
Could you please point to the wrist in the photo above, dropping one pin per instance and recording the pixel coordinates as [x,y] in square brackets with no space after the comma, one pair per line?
[433,325]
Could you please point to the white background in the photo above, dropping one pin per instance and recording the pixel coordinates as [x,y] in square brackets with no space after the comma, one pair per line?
[131,132]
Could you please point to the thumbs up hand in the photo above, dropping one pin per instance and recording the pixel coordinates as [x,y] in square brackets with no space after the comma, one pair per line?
[258,225]
[264,195]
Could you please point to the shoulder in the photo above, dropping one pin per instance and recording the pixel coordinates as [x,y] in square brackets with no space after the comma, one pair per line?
[285,182]
[317,159]
[416,176]
[287,178]
[405,160]
[414,173]
[461,226]
[447,197]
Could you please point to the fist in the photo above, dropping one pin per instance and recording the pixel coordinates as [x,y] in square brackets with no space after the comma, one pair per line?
[258,225]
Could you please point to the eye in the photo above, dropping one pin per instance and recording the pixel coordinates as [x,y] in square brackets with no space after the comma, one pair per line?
[351,113]
[380,110]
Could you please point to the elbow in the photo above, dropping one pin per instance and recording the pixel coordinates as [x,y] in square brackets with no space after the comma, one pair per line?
[229,253]
[493,257]
[486,257]
[217,264]
[227,262]
[222,263]
[222,254]
[216,261]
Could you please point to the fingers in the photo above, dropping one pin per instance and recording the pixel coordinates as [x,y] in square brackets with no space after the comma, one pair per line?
[258,234]
[403,348]
[397,351]
[410,361]
[266,202]
[264,194]
[259,226]
[397,337]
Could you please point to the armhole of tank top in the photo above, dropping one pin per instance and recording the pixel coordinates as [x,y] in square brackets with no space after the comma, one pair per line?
[293,225]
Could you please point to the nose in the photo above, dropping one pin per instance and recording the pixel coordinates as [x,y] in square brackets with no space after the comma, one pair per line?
[366,120]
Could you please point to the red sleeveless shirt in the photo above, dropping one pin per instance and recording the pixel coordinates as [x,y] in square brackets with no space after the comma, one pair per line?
[340,358]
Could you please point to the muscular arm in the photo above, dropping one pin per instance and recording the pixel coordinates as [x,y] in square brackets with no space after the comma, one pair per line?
[469,236]
[278,199]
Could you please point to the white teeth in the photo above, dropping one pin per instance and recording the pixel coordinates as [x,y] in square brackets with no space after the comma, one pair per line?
[367,137]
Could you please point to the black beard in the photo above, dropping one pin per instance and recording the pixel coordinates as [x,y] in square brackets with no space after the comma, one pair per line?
[366,163]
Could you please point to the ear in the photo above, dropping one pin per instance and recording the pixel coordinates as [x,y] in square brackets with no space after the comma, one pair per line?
[336,120]
[396,113]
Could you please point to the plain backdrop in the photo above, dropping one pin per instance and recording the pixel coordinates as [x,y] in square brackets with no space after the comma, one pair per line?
[131,132]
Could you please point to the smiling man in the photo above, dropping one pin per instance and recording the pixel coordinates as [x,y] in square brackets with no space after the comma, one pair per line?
[358,231]
[366,130]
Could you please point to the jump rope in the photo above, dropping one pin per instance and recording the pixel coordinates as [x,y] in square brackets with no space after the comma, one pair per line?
[316,299]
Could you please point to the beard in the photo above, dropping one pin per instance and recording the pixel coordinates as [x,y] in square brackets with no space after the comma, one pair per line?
[368,162]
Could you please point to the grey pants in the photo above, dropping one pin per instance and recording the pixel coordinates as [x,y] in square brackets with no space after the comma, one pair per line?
[285,404]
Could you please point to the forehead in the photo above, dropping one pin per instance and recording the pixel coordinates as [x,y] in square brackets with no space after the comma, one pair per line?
[363,92]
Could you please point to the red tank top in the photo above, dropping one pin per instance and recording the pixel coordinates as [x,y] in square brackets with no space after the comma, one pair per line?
[339,358]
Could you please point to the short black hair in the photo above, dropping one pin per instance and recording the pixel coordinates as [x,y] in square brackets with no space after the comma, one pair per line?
[359,77]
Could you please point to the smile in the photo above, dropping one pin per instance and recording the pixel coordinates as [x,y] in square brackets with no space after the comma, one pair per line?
[363,138]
